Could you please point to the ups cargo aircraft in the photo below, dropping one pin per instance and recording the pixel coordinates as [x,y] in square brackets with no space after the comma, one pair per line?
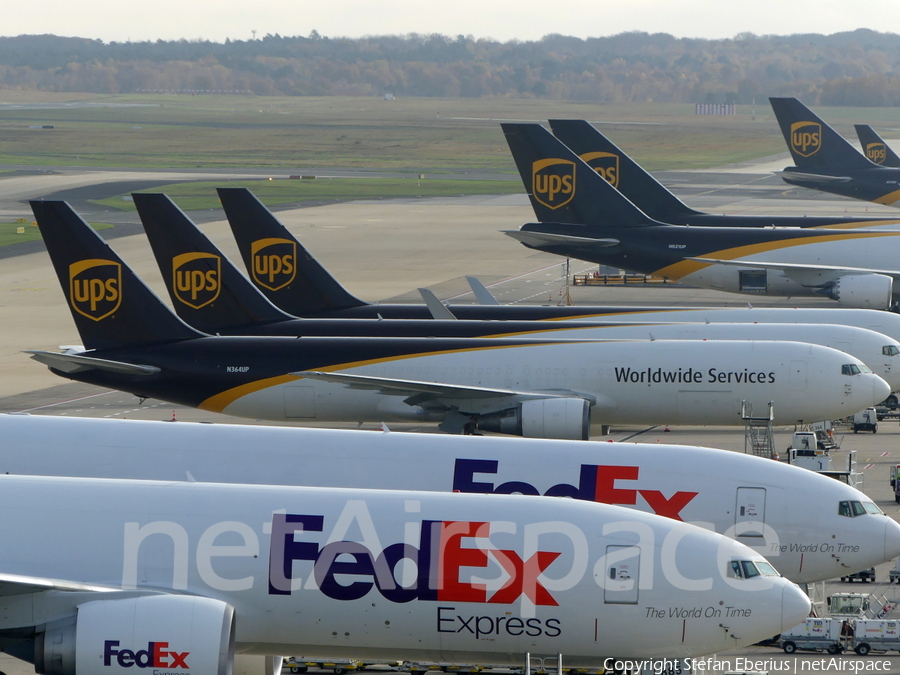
[178,577]
[825,161]
[544,388]
[647,194]
[751,499]
[209,294]
[874,147]
[581,215]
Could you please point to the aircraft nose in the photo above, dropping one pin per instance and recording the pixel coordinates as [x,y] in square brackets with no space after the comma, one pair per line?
[795,606]
[880,389]
[891,538]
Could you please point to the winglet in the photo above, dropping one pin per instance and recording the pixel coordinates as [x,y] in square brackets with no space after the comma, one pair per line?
[439,311]
[482,294]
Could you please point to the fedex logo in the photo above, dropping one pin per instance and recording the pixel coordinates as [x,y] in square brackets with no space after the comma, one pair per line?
[157,655]
[443,549]
[606,484]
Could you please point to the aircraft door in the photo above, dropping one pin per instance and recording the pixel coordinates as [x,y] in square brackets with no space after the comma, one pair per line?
[620,583]
[750,513]
[798,375]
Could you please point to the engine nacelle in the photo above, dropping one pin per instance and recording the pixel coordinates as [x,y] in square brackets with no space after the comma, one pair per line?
[563,418]
[863,291]
[176,634]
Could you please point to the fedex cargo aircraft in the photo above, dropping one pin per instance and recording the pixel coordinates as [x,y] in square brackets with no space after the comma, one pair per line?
[751,499]
[103,576]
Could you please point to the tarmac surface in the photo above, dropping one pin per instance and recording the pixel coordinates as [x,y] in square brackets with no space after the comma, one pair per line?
[383,250]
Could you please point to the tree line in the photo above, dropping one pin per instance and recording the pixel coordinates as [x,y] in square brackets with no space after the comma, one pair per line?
[861,67]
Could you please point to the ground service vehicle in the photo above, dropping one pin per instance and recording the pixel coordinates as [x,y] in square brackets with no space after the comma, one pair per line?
[864,576]
[866,420]
[876,635]
[814,634]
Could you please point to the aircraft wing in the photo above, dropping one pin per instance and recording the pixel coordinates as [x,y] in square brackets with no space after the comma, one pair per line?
[73,363]
[15,584]
[813,177]
[799,267]
[545,238]
[431,390]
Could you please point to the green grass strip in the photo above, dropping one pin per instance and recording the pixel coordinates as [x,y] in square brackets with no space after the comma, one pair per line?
[202,195]
[9,232]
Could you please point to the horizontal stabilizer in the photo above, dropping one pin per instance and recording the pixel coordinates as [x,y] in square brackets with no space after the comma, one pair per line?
[73,363]
[812,177]
[549,238]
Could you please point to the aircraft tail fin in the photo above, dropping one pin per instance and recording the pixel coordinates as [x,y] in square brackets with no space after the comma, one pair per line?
[874,147]
[562,188]
[812,143]
[620,171]
[207,290]
[111,306]
[286,273]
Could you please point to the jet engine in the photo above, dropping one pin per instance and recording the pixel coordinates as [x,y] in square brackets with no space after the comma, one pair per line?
[563,418]
[172,633]
[863,291]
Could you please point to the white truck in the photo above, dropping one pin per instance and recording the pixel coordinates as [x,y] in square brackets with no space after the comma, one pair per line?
[805,451]
[865,420]
[879,635]
[815,635]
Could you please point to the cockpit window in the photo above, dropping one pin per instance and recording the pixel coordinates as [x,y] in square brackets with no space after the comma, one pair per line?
[890,350]
[872,508]
[766,569]
[853,509]
[849,369]
[746,569]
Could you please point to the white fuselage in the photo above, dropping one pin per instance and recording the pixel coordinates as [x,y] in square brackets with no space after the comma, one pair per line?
[404,575]
[681,482]
[887,323]
[657,382]
[878,351]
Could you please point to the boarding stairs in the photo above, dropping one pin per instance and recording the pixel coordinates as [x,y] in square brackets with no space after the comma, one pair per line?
[759,439]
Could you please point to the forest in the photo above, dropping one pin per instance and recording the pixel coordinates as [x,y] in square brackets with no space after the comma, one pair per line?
[860,68]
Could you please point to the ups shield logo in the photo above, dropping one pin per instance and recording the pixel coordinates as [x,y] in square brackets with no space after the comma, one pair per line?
[196,278]
[876,152]
[604,163]
[95,288]
[274,262]
[553,182]
[806,138]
